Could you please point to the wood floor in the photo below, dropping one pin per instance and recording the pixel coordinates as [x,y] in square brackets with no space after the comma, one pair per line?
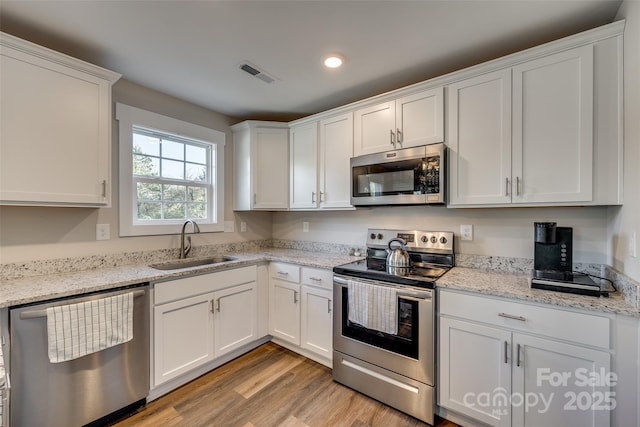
[268,387]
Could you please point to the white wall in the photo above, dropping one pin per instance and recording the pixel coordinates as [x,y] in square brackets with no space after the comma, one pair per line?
[31,233]
[626,220]
[498,232]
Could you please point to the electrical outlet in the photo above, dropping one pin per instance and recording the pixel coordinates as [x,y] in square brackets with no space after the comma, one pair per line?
[103,232]
[466,232]
[633,245]
[243,227]
[305,227]
[229,227]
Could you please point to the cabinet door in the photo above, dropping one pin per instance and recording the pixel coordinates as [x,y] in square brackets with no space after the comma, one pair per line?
[284,311]
[479,133]
[562,384]
[235,317]
[270,157]
[303,149]
[336,149]
[54,133]
[474,368]
[374,129]
[183,337]
[553,127]
[317,320]
[420,118]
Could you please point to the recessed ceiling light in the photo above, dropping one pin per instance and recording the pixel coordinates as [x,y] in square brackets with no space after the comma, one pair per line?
[333,61]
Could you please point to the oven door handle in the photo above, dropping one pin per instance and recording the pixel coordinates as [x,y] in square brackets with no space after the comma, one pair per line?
[401,290]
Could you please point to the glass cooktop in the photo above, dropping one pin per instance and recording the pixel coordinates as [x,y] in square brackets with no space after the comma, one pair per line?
[419,275]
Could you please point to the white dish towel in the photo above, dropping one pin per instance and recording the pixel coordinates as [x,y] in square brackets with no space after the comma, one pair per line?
[75,330]
[374,307]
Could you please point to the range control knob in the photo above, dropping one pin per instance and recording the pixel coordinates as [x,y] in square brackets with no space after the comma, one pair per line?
[433,239]
[443,240]
[380,236]
[423,239]
[373,236]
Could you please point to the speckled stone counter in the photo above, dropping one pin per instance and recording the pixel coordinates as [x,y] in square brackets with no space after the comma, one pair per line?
[39,288]
[516,286]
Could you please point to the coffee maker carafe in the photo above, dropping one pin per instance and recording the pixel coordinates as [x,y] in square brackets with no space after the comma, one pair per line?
[553,250]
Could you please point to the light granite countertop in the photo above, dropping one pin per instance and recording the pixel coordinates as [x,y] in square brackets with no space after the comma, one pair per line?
[45,287]
[517,287]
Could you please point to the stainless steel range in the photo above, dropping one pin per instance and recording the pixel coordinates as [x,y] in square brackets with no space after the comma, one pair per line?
[384,325]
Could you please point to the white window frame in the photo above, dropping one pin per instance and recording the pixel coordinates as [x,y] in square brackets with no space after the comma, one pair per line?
[129,117]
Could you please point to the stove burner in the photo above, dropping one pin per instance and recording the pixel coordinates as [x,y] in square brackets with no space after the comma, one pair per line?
[429,261]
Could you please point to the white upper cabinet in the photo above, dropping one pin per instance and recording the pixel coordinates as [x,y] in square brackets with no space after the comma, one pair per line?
[479,134]
[543,132]
[261,165]
[410,121]
[336,149]
[55,128]
[303,149]
[553,128]
[320,153]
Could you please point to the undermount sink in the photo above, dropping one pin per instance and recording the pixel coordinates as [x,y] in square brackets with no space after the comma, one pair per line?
[190,262]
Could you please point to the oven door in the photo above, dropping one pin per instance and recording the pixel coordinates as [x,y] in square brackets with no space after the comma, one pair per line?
[409,353]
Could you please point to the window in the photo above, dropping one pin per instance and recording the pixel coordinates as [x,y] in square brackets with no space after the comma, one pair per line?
[170,171]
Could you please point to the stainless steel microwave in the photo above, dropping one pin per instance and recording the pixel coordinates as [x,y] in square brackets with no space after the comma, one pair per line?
[411,176]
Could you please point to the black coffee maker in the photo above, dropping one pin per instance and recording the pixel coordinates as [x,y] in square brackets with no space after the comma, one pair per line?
[553,250]
[553,262]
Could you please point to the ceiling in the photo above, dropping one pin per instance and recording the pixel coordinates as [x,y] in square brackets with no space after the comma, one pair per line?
[193,49]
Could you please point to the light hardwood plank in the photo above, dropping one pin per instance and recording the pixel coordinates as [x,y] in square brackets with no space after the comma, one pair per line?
[269,387]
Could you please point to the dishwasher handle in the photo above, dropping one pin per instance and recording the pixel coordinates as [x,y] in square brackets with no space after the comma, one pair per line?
[34,314]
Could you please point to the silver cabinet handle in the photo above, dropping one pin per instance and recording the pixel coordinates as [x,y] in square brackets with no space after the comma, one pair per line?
[511,316]
[507,187]
[295,297]
[517,185]
[506,352]
[315,279]
[393,138]
[104,188]
[255,198]
[212,303]
[284,273]
[215,305]
[518,356]
[321,196]
[399,135]
[218,305]
[329,306]
[313,197]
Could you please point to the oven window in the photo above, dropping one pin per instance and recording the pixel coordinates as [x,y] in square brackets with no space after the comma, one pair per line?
[405,342]
[403,177]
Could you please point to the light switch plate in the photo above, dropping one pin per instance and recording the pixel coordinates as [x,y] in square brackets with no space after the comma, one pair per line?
[103,232]
[243,227]
[633,245]
[466,232]
[305,227]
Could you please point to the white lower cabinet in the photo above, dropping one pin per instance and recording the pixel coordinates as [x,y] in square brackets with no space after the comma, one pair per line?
[496,366]
[300,310]
[183,336]
[235,318]
[317,308]
[284,311]
[200,318]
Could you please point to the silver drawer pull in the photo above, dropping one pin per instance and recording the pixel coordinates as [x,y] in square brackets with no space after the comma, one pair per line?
[315,279]
[510,316]
[284,273]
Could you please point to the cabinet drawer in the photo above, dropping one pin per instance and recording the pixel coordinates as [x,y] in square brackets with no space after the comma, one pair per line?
[556,323]
[195,285]
[286,272]
[317,277]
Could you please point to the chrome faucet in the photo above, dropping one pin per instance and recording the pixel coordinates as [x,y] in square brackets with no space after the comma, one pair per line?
[184,251]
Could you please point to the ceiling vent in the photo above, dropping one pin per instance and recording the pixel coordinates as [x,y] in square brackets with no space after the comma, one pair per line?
[256,72]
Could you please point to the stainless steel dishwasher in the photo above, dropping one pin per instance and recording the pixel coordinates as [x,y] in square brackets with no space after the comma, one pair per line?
[91,389]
